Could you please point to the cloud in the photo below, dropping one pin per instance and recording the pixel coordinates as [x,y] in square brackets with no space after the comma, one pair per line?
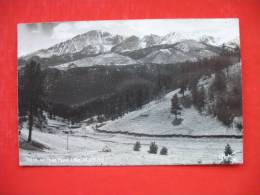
[63,31]
[144,27]
[44,28]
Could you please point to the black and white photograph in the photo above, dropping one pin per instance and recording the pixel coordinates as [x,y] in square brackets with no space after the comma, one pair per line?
[130,92]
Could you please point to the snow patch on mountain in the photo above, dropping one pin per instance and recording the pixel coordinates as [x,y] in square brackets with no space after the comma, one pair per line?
[172,38]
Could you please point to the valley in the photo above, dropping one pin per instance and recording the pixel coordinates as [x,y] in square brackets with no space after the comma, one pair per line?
[86,145]
[108,99]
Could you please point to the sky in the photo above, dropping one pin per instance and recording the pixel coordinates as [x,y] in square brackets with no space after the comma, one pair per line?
[35,36]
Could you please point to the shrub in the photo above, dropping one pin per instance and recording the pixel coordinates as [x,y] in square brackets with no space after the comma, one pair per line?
[164,151]
[137,146]
[106,149]
[153,148]
[228,150]
[177,121]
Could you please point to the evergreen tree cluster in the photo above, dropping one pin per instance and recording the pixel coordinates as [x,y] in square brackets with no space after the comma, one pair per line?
[226,97]
[222,98]
[221,101]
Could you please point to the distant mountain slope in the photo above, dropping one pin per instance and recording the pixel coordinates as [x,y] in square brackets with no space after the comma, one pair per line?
[103,59]
[166,56]
[187,50]
[136,43]
[131,43]
[150,40]
[94,42]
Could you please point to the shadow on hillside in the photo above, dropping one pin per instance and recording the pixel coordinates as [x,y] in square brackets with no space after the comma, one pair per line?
[33,145]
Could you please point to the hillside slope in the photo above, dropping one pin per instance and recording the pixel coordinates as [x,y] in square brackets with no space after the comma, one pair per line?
[156,118]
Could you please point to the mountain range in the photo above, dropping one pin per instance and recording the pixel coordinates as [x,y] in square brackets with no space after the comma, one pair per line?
[96,47]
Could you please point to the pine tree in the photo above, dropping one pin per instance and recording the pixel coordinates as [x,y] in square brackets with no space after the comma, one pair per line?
[198,98]
[194,93]
[224,49]
[228,150]
[183,87]
[223,112]
[220,81]
[139,98]
[201,99]
[175,107]
[182,90]
[33,92]
[153,148]
[137,146]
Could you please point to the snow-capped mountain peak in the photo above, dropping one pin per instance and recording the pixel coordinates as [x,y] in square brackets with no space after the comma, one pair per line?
[172,38]
[97,41]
